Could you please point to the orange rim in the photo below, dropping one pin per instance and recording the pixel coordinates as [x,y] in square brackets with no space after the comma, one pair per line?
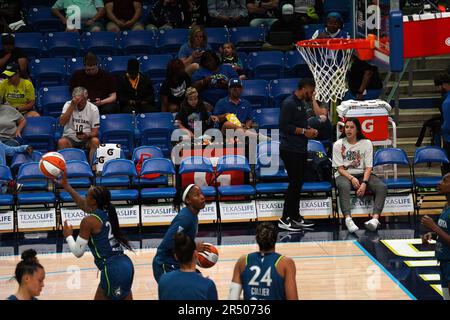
[339,44]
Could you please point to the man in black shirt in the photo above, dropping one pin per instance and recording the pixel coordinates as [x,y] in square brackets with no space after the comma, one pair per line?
[294,135]
[11,54]
[361,77]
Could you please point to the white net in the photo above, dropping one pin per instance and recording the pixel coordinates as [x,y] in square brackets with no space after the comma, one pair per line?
[329,68]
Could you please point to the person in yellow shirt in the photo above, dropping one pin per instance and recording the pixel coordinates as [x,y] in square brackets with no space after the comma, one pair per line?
[17,92]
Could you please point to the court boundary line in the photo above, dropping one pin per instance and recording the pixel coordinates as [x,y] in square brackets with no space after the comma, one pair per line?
[395,280]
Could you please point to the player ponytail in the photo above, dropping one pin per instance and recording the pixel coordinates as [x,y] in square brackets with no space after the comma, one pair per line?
[102,197]
[29,265]
[266,236]
[184,248]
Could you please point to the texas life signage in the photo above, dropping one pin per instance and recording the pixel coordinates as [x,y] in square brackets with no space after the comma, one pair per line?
[392,204]
[273,208]
[44,218]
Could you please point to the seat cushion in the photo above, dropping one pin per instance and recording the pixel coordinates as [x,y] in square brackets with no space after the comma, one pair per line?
[316,186]
[162,180]
[274,187]
[119,181]
[208,191]
[66,197]
[36,197]
[155,193]
[427,182]
[127,194]
[6,199]
[80,182]
[237,190]
[398,183]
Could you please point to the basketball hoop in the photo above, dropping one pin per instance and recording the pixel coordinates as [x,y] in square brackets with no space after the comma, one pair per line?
[329,59]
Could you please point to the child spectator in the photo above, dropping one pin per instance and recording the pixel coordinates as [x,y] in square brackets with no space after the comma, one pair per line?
[229,56]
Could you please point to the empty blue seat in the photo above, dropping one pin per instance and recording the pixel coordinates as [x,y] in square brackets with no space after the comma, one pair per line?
[119,129]
[116,65]
[119,173]
[42,19]
[247,38]
[309,29]
[156,130]
[198,164]
[217,37]
[256,92]
[394,156]
[295,66]
[234,163]
[154,152]
[139,43]
[73,154]
[52,99]
[74,64]
[80,177]
[101,43]
[155,66]
[63,44]
[32,43]
[39,132]
[279,89]
[48,71]
[170,41]
[21,158]
[266,64]
[161,166]
[34,186]
[315,145]
[267,118]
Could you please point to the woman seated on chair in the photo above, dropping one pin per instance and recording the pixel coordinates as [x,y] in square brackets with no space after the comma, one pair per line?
[352,158]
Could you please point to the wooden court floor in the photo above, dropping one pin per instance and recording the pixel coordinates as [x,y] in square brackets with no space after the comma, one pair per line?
[325,271]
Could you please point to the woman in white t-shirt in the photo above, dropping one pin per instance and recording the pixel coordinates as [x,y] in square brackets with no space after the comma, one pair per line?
[352,158]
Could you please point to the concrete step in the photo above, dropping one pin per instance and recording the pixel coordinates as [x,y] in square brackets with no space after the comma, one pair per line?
[419,86]
[417,116]
[436,62]
[418,74]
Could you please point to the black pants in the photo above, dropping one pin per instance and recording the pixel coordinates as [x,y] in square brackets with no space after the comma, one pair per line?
[109,108]
[295,164]
[143,107]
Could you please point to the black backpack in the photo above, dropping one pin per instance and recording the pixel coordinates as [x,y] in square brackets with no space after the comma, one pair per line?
[318,167]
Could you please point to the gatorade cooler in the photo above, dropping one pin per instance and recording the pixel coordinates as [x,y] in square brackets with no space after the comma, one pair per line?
[372,114]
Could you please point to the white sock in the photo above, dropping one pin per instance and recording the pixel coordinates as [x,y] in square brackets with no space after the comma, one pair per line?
[348,218]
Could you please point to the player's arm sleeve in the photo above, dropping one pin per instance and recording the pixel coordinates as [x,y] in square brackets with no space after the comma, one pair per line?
[235,291]
[77,247]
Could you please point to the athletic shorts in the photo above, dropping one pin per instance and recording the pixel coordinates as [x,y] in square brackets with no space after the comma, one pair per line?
[78,144]
[160,268]
[117,277]
[444,271]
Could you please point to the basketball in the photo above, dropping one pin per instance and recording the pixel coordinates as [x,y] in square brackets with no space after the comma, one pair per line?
[52,164]
[208,259]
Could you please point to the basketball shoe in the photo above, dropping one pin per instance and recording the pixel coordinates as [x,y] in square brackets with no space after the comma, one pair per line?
[351,226]
[288,224]
[372,224]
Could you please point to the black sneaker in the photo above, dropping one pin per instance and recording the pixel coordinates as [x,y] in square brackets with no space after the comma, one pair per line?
[287,224]
[303,223]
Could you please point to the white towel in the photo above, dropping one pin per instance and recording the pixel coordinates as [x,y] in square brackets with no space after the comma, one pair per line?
[106,152]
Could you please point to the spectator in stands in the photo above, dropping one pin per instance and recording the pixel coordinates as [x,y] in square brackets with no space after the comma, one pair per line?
[167,14]
[135,91]
[191,52]
[196,13]
[362,77]
[230,56]
[230,13]
[91,14]
[174,87]
[307,11]
[262,12]
[194,112]
[123,15]
[285,32]
[334,25]
[81,121]
[8,151]
[100,84]
[9,54]
[12,123]
[443,83]
[18,92]
[294,135]
[353,160]
[12,17]
[211,80]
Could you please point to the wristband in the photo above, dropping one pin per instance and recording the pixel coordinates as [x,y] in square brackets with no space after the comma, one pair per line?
[365,181]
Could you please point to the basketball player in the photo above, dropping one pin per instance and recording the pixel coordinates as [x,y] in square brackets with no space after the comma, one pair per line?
[30,275]
[100,231]
[264,275]
[441,232]
[187,221]
[185,283]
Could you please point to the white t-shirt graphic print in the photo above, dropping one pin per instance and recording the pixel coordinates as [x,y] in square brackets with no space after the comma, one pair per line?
[355,158]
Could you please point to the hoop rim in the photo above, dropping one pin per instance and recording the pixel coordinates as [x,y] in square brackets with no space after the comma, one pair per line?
[339,43]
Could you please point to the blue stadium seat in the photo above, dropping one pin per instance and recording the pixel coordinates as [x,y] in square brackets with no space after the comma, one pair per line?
[5,177]
[48,71]
[270,172]
[315,145]
[234,163]
[34,186]
[119,173]
[155,152]
[162,166]
[63,44]
[256,92]
[157,88]
[139,43]
[155,66]
[42,19]
[101,43]
[80,177]
[119,129]
[39,132]
[32,43]
[343,7]
[279,89]
[295,65]
[247,38]
[21,158]
[217,37]
[74,64]
[52,99]
[267,118]
[309,29]
[266,65]
[116,65]
[170,41]
[73,154]
[156,130]
[198,164]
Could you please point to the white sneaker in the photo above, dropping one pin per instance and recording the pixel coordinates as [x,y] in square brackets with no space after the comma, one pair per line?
[351,226]
[372,224]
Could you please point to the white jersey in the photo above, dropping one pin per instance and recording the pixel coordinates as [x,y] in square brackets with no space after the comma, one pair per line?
[83,120]
[355,158]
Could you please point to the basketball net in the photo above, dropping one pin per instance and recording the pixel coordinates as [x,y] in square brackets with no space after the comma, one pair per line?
[329,60]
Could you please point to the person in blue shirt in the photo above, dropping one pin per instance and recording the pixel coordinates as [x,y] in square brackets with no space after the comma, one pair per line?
[185,283]
[8,151]
[100,230]
[333,28]
[211,80]
[191,52]
[30,275]
[441,232]
[265,274]
[187,221]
